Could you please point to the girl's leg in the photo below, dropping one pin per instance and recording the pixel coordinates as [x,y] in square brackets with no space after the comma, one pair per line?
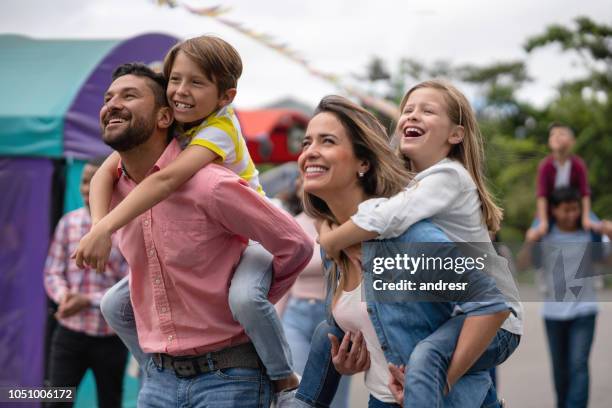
[248,301]
[320,380]
[117,310]
[300,320]
[429,362]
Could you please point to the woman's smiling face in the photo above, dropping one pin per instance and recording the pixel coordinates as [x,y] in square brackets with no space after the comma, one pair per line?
[328,163]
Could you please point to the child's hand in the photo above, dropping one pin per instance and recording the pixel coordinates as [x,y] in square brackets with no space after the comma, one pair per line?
[94,249]
[349,362]
[396,382]
[324,229]
[606,228]
[542,228]
[533,235]
[354,253]
[588,224]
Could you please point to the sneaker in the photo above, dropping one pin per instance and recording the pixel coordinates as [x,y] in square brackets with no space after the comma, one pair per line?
[285,398]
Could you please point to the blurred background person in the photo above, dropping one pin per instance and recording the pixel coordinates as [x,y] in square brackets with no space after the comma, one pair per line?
[570,307]
[82,338]
[304,308]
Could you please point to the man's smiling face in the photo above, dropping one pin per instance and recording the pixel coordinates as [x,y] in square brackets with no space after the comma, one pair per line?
[128,116]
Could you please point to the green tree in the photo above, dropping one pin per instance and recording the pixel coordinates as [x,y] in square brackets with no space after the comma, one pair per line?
[585,103]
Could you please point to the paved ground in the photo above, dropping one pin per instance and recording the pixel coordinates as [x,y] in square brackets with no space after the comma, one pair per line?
[525,379]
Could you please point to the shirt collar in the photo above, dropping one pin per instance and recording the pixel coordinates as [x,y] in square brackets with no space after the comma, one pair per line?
[169,154]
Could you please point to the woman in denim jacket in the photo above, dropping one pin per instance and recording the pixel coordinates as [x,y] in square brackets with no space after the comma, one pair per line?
[346,160]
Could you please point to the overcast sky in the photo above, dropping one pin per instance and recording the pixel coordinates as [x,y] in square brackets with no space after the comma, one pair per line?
[339,36]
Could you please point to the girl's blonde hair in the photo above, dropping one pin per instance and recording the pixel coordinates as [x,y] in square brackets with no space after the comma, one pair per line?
[385,177]
[470,152]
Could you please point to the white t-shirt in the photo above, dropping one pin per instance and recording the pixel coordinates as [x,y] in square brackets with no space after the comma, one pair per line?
[351,314]
[562,177]
[446,194]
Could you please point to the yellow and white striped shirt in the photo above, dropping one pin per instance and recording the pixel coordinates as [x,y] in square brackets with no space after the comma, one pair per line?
[220,132]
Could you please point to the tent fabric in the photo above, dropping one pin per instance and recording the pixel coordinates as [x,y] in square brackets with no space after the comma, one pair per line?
[39,81]
[24,220]
[72,195]
[53,90]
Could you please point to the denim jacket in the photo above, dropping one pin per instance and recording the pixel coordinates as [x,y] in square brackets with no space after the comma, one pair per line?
[401,325]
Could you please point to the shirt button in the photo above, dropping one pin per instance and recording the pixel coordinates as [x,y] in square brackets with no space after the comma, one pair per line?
[384,347]
[170,337]
[164,309]
[146,223]
[157,281]
[151,252]
[369,310]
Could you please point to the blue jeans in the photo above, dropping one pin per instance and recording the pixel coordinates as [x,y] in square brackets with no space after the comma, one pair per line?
[248,300]
[375,403]
[116,308]
[430,359]
[570,343]
[227,388]
[321,379]
[300,319]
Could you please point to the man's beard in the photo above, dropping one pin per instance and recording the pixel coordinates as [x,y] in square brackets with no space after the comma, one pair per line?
[137,133]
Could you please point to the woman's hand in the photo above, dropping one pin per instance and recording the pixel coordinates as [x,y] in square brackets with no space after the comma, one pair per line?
[396,382]
[350,362]
[94,249]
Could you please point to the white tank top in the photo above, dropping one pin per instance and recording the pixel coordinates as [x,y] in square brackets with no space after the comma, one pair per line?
[351,314]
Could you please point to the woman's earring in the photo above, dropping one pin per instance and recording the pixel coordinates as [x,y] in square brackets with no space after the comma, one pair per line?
[361,174]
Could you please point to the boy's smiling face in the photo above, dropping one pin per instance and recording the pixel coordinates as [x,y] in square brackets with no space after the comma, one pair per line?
[192,95]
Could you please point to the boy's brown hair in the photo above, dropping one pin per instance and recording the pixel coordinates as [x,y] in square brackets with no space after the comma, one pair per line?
[219,61]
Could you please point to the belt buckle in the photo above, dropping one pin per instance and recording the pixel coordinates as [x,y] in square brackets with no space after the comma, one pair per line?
[185,368]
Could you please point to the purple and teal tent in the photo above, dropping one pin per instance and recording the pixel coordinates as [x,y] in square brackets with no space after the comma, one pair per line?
[52,91]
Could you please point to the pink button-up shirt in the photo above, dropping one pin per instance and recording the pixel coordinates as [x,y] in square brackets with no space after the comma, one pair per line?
[183,252]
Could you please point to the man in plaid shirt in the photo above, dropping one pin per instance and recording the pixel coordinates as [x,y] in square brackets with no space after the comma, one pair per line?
[83,339]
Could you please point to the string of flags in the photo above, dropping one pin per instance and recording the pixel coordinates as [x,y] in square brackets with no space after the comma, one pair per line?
[217,12]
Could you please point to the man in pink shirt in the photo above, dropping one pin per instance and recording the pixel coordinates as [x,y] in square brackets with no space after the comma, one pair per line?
[182,254]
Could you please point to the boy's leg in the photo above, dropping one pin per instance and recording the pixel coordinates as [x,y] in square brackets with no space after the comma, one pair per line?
[320,380]
[581,333]
[558,344]
[117,310]
[248,301]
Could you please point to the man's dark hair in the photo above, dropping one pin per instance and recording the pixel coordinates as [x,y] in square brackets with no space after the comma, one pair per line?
[564,195]
[157,82]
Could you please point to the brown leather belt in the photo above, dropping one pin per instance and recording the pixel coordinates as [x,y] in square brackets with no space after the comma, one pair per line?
[243,356]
